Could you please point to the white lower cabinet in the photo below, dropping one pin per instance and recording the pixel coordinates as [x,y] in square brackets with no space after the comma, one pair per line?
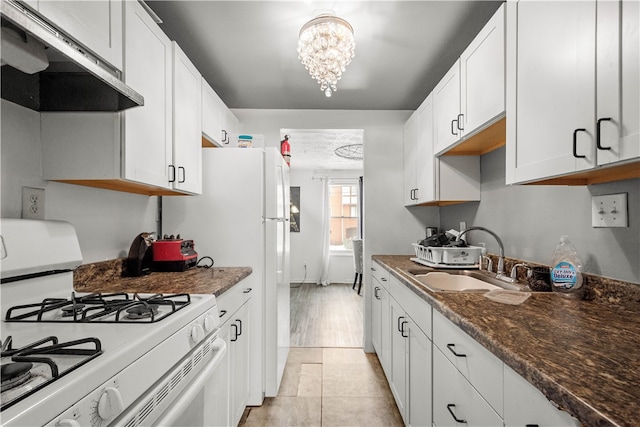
[235,330]
[381,316]
[410,378]
[525,405]
[455,401]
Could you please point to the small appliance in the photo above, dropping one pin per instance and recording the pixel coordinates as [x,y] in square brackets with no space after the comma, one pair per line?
[173,254]
[140,258]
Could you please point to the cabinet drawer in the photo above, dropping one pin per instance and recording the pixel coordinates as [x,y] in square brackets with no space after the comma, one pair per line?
[455,401]
[418,309]
[381,274]
[475,363]
[526,405]
[230,301]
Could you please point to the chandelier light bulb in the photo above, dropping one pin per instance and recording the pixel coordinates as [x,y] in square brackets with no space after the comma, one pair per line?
[325,48]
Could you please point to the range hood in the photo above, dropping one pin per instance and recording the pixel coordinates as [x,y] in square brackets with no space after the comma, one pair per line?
[60,74]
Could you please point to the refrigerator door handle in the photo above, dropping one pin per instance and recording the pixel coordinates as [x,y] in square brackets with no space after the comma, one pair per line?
[274,219]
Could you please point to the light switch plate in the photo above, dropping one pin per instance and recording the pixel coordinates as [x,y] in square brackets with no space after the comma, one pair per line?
[609,210]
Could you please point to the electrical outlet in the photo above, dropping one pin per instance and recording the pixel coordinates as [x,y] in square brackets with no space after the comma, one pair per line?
[609,210]
[32,203]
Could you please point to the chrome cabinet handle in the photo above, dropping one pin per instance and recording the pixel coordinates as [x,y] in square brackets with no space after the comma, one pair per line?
[225,137]
[246,291]
[451,346]
[452,132]
[375,292]
[240,325]
[222,313]
[172,173]
[235,332]
[575,143]
[451,405]
[459,120]
[604,119]
[184,174]
[400,323]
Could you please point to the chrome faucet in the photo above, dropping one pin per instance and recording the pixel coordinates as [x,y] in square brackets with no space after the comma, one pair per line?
[514,270]
[500,272]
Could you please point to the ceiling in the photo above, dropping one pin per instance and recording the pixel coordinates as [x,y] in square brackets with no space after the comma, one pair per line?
[246,50]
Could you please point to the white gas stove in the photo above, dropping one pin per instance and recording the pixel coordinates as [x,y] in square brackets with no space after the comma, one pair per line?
[98,360]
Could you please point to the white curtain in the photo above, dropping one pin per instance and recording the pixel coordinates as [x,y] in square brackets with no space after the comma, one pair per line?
[324,275]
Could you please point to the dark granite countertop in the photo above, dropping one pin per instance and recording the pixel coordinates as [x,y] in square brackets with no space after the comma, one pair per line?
[107,277]
[583,355]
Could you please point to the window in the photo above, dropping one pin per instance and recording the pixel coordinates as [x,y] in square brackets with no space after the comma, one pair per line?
[343,204]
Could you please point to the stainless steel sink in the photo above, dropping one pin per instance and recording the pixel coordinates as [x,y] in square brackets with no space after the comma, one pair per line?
[462,280]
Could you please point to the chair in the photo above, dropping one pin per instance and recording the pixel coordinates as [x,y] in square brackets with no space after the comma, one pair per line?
[357,263]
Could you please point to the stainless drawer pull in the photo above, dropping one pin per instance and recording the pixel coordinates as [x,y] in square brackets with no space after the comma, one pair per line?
[451,346]
[384,279]
[222,313]
[246,291]
[451,405]
[375,292]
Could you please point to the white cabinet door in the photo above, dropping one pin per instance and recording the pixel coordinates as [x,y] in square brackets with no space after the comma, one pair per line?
[482,76]
[376,317]
[455,401]
[398,356]
[148,129]
[618,84]
[424,160]
[418,377]
[240,351]
[187,124]
[229,126]
[551,103]
[212,115]
[385,331]
[525,405]
[446,110]
[410,143]
[95,24]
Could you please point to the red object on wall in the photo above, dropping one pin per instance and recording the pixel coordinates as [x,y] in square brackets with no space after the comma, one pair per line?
[285,149]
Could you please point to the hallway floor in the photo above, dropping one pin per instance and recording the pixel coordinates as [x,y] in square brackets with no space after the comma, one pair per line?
[328,380]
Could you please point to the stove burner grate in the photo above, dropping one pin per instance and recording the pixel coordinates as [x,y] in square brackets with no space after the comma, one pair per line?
[99,308]
[22,359]
[142,311]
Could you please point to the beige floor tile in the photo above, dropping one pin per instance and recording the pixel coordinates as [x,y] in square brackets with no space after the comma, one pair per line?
[344,355]
[290,380]
[353,380]
[310,384]
[305,355]
[286,411]
[360,411]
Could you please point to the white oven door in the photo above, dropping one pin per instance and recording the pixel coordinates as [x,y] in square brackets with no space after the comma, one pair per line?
[187,395]
[205,401]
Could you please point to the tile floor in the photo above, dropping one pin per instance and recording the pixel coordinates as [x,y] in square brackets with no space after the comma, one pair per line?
[329,380]
[328,387]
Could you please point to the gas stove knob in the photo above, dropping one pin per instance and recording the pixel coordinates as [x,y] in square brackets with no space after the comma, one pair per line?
[209,323]
[110,404]
[197,333]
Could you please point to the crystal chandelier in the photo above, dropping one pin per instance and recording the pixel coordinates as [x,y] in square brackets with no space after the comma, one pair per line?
[325,48]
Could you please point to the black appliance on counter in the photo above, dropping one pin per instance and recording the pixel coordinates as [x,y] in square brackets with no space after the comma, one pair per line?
[140,259]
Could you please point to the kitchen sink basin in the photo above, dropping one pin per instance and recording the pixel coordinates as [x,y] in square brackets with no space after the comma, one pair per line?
[439,281]
[462,280]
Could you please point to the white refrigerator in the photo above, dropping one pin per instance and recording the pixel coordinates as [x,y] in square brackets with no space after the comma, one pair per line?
[242,219]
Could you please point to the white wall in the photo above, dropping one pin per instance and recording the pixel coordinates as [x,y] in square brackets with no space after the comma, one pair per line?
[106,221]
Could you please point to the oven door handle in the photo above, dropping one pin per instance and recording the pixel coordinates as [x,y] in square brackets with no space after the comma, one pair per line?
[171,415]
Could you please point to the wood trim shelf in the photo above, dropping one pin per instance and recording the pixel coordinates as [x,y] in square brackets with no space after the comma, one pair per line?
[596,176]
[490,138]
[122,185]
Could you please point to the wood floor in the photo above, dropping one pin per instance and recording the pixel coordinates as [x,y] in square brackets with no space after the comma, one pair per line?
[329,380]
[326,316]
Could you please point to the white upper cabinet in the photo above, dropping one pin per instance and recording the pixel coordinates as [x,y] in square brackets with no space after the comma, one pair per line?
[186,169]
[219,124]
[446,100]
[433,180]
[139,150]
[148,129]
[470,97]
[95,24]
[572,68]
